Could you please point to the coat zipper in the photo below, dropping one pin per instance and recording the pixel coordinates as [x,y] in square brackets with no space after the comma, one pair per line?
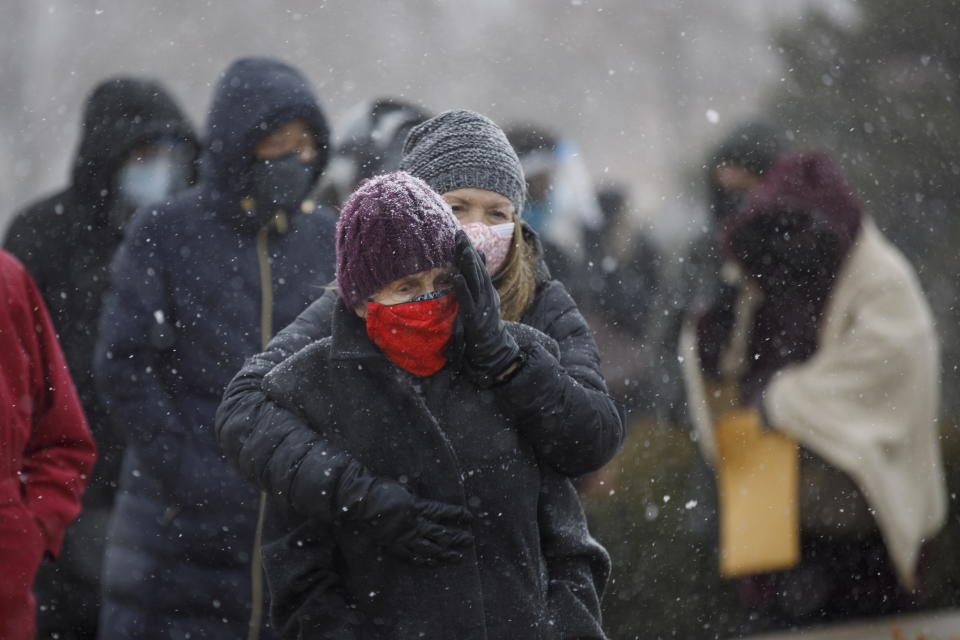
[279,222]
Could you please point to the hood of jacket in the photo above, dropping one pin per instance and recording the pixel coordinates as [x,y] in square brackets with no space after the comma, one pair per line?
[253,97]
[121,114]
[756,147]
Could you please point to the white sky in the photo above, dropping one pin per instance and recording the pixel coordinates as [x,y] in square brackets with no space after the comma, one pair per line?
[631,82]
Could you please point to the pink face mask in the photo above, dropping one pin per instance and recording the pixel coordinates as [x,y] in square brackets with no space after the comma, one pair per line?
[494,241]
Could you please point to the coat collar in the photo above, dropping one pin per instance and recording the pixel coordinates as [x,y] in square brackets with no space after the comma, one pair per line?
[533,239]
[349,335]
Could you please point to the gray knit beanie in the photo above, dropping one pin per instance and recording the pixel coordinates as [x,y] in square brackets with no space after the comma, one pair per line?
[463,149]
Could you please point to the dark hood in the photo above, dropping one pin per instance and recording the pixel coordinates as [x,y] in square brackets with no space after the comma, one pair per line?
[254,96]
[756,147]
[121,114]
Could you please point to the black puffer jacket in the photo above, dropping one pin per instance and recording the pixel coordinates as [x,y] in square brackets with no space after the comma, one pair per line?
[533,570]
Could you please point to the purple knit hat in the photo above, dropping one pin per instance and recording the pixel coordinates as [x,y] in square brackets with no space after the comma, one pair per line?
[392,226]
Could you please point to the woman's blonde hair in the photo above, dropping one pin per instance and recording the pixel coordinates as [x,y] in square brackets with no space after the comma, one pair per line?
[516,281]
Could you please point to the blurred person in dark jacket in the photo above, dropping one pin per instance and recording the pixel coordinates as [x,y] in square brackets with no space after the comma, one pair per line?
[621,281]
[368,143]
[46,449]
[827,359]
[136,149]
[197,285]
[734,169]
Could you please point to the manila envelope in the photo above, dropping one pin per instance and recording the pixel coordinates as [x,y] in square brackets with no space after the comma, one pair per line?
[758,473]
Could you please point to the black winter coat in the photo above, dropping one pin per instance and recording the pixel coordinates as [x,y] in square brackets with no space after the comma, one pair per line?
[66,241]
[563,410]
[532,559]
[185,308]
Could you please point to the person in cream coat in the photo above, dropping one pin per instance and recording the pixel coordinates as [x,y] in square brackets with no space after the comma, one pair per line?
[830,347]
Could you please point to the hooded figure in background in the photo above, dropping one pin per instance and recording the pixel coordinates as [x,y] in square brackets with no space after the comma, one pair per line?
[621,283]
[369,143]
[198,285]
[136,149]
[827,359]
[735,168]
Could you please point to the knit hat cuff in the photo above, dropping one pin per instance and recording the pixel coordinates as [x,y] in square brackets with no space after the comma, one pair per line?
[487,178]
[355,290]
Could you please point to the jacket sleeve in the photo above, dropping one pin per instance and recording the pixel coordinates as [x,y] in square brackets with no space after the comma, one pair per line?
[561,404]
[270,445]
[60,452]
[136,327]
[577,566]
[25,241]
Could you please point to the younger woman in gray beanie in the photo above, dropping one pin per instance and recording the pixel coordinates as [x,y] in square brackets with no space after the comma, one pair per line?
[466,157]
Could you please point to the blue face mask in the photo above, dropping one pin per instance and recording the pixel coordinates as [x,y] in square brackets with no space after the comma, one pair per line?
[144,181]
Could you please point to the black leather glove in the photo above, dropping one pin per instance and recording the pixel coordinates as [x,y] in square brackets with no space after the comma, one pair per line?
[389,515]
[489,349]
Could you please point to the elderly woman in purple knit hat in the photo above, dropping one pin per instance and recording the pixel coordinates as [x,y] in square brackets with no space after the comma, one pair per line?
[553,395]
[408,387]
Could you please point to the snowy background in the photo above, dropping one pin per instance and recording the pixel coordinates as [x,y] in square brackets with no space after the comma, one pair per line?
[644,88]
[631,82]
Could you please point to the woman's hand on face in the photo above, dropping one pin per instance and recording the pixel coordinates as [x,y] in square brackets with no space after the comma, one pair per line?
[489,349]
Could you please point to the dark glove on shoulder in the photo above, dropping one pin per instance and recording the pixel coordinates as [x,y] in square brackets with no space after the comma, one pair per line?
[389,515]
[489,349]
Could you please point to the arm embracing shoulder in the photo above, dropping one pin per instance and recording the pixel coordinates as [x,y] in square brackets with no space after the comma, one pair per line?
[265,434]
[560,400]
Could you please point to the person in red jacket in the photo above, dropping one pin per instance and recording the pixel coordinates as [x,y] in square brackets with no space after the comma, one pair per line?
[46,450]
